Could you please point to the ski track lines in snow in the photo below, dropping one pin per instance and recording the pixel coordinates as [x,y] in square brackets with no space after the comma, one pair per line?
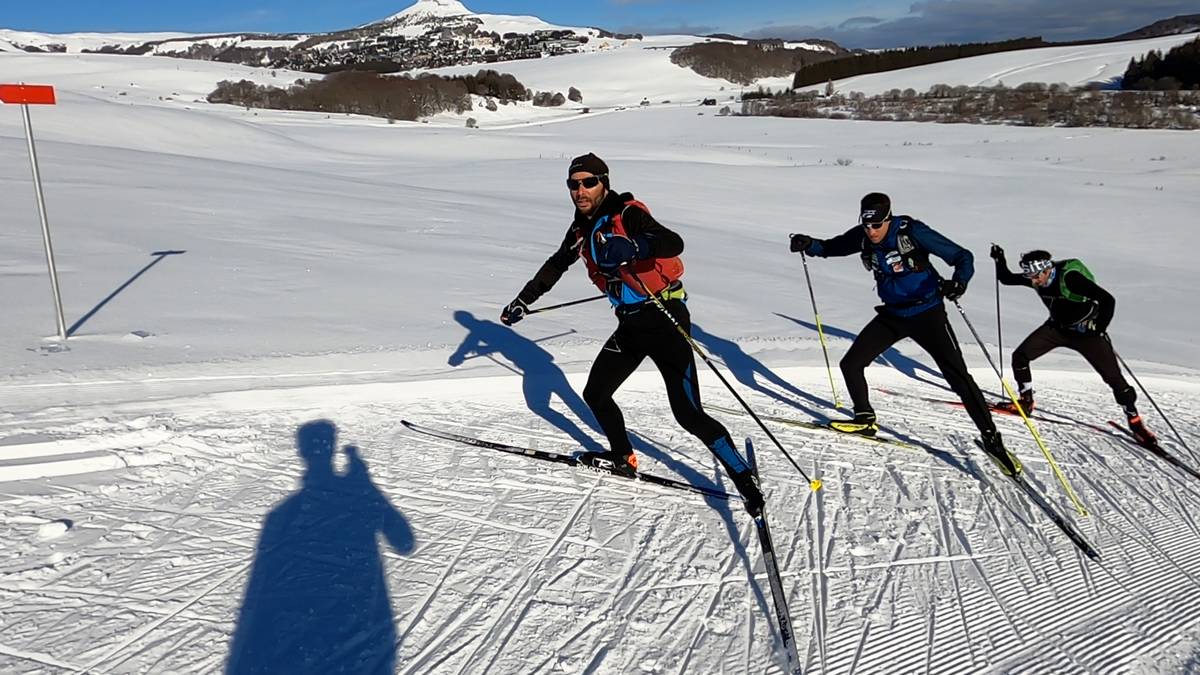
[906,562]
[23,461]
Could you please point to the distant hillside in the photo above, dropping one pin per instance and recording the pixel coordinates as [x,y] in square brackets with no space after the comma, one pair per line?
[1186,23]
[1098,65]
[815,72]
[428,34]
[858,63]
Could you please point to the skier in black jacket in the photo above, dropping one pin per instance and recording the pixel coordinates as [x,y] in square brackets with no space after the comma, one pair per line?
[627,253]
[1080,312]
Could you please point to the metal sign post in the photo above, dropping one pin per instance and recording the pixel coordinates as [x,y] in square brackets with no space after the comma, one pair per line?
[26,95]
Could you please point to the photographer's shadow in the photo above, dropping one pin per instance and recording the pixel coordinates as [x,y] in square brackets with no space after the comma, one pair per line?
[540,377]
[317,598]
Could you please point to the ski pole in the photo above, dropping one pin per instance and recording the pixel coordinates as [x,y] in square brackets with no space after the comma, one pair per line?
[999,328]
[1151,399]
[1012,395]
[837,403]
[565,304]
[814,483]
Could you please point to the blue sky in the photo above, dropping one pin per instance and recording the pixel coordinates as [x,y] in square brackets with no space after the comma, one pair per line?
[852,23]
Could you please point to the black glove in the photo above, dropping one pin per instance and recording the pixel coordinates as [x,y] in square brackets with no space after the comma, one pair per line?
[514,312]
[1088,327]
[801,242]
[618,250]
[951,289]
[997,253]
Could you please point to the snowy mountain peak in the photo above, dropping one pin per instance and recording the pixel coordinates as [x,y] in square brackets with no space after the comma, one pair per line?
[423,10]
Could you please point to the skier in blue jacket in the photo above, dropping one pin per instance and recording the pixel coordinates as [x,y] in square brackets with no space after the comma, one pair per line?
[896,250]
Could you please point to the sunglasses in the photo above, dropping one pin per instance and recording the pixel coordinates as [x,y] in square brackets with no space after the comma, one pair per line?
[874,226]
[589,182]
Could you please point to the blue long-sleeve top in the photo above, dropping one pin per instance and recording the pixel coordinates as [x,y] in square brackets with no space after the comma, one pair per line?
[905,291]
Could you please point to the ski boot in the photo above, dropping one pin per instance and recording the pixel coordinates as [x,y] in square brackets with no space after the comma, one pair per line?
[745,480]
[1026,401]
[747,485]
[863,424]
[1007,461]
[621,464]
[1143,435]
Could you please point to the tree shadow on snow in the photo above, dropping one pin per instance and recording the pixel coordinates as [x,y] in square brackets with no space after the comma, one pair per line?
[891,357]
[317,599]
[729,510]
[158,257]
[540,380]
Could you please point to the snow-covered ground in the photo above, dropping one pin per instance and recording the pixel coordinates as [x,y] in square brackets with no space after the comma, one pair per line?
[233,275]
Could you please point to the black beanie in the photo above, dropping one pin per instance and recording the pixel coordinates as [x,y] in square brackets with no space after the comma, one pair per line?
[591,164]
[874,208]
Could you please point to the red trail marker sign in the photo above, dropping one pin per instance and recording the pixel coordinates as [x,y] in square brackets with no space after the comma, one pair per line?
[26,95]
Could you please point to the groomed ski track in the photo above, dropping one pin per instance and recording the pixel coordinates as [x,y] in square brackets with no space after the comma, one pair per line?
[908,561]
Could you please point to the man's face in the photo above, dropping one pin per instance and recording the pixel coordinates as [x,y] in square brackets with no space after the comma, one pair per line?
[1041,279]
[877,232]
[587,199]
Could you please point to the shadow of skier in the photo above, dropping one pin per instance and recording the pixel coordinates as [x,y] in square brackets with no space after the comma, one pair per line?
[891,357]
[317,599]
[749,370]
[540,380]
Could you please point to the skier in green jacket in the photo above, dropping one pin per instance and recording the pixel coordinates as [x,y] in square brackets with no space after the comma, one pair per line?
[1080,312]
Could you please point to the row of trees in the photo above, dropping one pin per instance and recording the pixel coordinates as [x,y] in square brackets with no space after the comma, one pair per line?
[894,59]
[393,97]
[744,64]
[1178,69]
[1031,104]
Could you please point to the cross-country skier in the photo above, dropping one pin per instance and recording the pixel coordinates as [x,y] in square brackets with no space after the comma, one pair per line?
[624,247]
[896,250]
[1080,312]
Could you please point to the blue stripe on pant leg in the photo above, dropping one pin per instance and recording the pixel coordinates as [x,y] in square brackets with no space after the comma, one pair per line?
[728,454]
[689,388]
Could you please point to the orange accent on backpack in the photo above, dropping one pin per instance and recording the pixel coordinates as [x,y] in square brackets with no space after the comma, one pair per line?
[656,273]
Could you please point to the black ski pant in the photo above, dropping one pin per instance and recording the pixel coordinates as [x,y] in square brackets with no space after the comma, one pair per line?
[929,329]
[645,332]
[1095,348]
